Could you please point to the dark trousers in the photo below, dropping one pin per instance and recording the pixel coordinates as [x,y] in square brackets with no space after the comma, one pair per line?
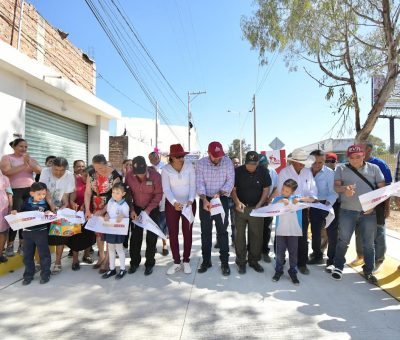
[332,231]
[206,223]
[137,239]
[19,196]
[39,240]
[317,220]
[266,234]
[284,243]
[302,251]
[231,206]
[172,217]
[255,232]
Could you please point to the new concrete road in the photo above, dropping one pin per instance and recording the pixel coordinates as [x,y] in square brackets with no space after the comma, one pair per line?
[196,306]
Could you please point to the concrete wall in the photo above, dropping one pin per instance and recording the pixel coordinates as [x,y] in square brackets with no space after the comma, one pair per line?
[44,43]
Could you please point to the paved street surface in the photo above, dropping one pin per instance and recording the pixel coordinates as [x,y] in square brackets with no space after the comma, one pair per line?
[196,306]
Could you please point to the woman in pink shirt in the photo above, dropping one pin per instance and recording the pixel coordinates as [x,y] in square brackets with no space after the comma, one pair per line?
[19,168]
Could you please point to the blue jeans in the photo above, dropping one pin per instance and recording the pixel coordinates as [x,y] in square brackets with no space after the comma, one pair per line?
[206,223]
[348,219]
[284,243]
[380,243]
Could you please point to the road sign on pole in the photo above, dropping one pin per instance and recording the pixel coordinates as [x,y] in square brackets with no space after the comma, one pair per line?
[276,144]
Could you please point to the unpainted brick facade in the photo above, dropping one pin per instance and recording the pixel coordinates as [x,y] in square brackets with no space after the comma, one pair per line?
[118,151]
[43,42]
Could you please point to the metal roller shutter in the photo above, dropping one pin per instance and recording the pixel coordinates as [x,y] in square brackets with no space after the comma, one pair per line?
[51,134]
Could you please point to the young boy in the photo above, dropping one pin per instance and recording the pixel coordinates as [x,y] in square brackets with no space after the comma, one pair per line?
[288,230]
[36,236]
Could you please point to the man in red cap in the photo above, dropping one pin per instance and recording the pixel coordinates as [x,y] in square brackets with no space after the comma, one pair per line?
[215,178]
[352,180]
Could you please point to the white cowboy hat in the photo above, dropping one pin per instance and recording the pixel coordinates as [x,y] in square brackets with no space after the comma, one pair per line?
[301,156]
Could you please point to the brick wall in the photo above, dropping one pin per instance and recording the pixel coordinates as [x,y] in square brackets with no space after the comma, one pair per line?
[118,150]
[43,42]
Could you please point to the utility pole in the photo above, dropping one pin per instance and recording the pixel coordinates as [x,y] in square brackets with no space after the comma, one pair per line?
[240,137]
[254,121]
[190,124]
[156,125]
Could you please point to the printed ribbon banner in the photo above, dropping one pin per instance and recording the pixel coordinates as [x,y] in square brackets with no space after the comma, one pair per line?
[99,225]
[187,211]
[217,208]
[277,209]
[144,221]
[371,199]
[28,219]
[72,216]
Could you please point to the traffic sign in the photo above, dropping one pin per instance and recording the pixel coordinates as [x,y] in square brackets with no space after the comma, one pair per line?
[276,144]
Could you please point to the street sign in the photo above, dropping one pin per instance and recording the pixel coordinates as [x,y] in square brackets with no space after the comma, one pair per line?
[276,144]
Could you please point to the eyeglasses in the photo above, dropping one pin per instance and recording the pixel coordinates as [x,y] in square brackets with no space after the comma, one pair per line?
[330,161]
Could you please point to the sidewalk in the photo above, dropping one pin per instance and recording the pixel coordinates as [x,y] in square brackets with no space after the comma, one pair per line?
[196,306]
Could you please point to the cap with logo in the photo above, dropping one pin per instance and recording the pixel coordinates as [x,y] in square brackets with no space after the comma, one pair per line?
[356,149]
[251,157]
[216,150]
[139,165]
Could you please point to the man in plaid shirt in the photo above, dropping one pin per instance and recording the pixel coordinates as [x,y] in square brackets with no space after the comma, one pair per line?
[215,177]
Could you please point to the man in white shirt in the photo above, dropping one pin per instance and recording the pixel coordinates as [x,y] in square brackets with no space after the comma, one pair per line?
[299,170]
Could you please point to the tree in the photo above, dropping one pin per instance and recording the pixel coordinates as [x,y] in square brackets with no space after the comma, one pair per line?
[234,148]
[380,147]
[349,41]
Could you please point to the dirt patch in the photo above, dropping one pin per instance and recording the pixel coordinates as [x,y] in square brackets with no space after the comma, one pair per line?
[393,221]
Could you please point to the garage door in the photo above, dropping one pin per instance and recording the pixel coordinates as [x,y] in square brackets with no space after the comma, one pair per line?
[51,134]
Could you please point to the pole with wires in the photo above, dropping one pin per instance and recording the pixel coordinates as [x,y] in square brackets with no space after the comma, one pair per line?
[190,124]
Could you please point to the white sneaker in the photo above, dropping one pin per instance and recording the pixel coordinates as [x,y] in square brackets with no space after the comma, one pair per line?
[186,268]
[174,269]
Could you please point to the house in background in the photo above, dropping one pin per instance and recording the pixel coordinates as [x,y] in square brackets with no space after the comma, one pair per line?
[48,89]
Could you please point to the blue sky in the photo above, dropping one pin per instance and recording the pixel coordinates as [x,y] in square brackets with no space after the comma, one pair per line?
[198,45]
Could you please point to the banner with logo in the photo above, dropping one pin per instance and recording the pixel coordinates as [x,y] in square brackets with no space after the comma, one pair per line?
[371,199]
[99,225]
[28,219]
[278,209]
[276,159]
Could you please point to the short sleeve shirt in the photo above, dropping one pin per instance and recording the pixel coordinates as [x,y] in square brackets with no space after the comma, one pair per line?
[344,174]
[249,185]
[58,186]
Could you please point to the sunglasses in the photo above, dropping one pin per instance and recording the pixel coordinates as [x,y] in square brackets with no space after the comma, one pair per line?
[330,161]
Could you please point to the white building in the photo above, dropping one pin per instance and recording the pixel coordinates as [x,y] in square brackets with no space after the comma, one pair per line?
[53,114]
[141,134]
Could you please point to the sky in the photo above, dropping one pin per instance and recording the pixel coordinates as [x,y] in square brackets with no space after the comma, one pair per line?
[199,46]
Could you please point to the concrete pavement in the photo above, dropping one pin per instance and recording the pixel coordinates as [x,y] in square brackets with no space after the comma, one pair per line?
[196,306]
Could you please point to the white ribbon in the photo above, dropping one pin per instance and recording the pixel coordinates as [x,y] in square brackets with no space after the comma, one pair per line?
[144,221]
[28,219]
[217,208]
[99,225]
[371,199]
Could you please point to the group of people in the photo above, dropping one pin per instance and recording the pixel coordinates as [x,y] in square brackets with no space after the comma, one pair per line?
[163,191]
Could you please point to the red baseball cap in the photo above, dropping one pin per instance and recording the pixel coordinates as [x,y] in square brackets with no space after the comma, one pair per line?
[216,150]
[356,149]
[331,155]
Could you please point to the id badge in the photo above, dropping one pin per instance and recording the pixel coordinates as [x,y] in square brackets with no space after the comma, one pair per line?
[149,182]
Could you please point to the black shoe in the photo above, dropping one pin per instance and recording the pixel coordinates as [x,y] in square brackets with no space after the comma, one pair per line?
[371,279]
[26,282]
[304,270]
[76,266]
[226,271]
[204,267]
[121,274]
[277,276]
[294,278]
[132,269]
[44,280]
[164,252]
[148,271]
[3,259]
[109,274]
[216,246]
[316,260]
[87,259]
[241,268]
[70,253]
[257,267]
[91,250]
[267,258]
